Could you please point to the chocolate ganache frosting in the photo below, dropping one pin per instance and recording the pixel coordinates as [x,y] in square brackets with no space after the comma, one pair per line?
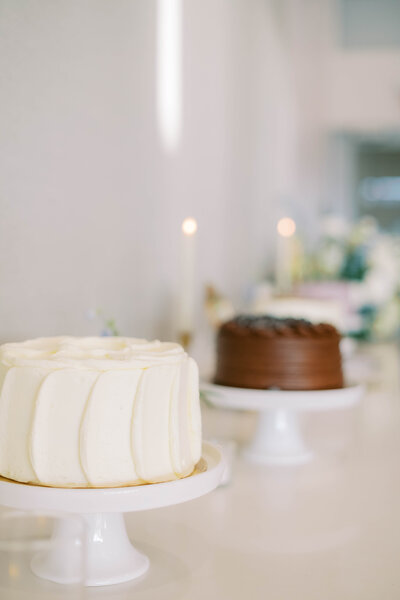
[290,354]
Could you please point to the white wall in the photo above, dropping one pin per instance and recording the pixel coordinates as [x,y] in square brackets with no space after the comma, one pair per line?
[91,205]
[362,83]
[363,90]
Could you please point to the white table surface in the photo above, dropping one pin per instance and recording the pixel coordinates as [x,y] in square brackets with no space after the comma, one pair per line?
[322,531]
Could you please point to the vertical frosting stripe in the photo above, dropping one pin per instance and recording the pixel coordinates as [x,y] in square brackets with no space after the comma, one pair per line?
[55,431]
[180,424]
[105,437]
[17,405]
[3,372]
[150,424]
[194,410]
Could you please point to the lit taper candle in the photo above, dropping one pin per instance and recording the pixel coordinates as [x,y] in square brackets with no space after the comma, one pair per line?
[286,229]
[187,292]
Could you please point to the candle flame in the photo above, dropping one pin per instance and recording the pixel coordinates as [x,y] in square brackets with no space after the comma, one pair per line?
[286,227]
[189,226]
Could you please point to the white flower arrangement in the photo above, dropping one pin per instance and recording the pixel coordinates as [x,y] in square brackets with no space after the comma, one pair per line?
[368,260]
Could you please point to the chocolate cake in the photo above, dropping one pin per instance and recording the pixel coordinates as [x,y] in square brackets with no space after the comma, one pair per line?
[290,354]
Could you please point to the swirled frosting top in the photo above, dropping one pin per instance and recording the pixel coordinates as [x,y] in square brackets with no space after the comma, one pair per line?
[99,353]
[268,326]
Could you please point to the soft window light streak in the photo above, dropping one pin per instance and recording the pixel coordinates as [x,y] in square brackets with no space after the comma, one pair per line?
[380,189]
[169,72]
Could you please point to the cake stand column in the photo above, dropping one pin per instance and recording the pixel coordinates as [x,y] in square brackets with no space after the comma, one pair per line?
[107,553]
[278,439]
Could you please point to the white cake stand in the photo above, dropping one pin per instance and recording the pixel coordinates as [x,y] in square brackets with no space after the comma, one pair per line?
[110,557]
[278,438]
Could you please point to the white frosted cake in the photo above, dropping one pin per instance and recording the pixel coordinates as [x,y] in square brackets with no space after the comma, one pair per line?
[297,307]
[98,412]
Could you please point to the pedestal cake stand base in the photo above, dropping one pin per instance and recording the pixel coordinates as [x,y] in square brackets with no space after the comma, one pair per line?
[110,557]
[278,437]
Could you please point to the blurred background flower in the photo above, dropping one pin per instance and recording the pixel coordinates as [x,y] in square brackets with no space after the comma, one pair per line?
[106,325]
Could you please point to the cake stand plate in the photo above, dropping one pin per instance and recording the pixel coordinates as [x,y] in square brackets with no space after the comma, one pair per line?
[278,438]
[109,555]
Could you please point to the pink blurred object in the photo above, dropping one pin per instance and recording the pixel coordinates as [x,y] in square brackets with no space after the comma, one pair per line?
[338,291]
[325,290]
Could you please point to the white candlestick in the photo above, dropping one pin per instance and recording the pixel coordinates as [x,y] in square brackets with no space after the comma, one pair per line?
[284,254]
[187,291]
